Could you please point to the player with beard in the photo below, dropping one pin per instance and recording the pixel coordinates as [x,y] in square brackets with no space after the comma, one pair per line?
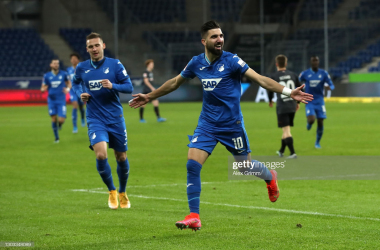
[221,120]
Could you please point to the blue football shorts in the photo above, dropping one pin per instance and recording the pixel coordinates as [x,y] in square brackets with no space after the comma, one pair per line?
[114,134]
[57,109]
[318,111]
[75,98]
[235,142]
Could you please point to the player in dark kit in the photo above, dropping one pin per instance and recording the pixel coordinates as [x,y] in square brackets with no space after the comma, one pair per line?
[286,106]
[148,87]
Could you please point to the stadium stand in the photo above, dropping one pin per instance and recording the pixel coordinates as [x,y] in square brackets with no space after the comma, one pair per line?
[313,10]
[147,11]
[24,53]
[76,38]
[226,10]
[366,9]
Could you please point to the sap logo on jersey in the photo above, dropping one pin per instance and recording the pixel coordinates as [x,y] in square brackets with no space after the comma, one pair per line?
[95,85]
[210,84]
[55,84]
[314,83]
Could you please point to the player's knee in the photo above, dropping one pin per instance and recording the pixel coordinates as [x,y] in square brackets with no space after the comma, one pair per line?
[101,155]
[193,167]
[121,156]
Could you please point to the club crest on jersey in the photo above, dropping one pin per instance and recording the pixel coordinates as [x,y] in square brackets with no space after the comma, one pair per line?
[106,70]
[95,85]
[220,67]
[210,84]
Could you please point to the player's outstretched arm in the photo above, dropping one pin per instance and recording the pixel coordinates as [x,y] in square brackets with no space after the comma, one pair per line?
[274,86]
[166,88]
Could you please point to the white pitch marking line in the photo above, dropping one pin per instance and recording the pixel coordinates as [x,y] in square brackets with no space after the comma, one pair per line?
[239,206]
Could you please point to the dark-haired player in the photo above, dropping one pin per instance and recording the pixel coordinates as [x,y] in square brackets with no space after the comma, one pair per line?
[148,87]
[58,84]
[286,106]
[221,120]
[103,78]
[75,100]
[315,80]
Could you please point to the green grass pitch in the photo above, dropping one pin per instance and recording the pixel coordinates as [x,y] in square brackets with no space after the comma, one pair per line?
[37,178]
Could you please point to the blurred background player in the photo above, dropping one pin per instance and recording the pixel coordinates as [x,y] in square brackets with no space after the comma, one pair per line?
[103,78]
[148,87]
[221,119]
[315,80]
[286,107]
[58,84]
[75,100]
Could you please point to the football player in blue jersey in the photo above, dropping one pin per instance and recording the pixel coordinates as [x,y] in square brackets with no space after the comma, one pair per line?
[315,80]
[58,84]
[98,82]
[221,120]
[75,100]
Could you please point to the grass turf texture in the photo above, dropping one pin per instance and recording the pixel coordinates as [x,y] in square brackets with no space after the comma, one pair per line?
[37,177]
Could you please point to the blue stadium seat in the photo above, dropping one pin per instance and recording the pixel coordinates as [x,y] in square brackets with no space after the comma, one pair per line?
[17,61]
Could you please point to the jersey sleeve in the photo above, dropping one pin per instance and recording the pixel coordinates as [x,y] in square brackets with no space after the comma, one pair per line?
[45,80]
[328,81]
[238,65]
[123,82]
[145,75]
[188,72]
[67,76]
[301,77]
[76,84]
[121,72]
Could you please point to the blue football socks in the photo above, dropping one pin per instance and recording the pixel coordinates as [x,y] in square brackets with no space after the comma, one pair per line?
[319,134]
[308,126]
[104,170]
[74,117]
[123,173]
[259,167]
[193,185]
[55,130]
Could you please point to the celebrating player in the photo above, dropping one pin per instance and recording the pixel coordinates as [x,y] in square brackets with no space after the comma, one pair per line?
[148,87]
[315,80]
[221,120]
[286,107]
[75,100]
[103,78]
[58,84]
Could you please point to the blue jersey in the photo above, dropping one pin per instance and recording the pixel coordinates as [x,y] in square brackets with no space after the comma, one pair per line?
[314,84]
[56,84]
[221,82]
[71,71]
[104,104]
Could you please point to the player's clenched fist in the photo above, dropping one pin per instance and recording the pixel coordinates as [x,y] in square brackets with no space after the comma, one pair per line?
[106,84]
[84,97]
